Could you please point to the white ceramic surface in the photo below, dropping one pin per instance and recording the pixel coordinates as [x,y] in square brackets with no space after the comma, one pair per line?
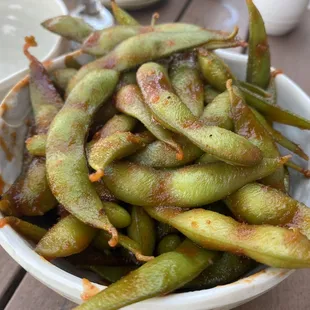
[281,16]
[70,286]
[20,18]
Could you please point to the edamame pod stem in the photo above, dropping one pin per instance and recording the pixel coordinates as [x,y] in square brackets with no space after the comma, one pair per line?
[142,230]
[153,45]
[161,275]
[159,155]
[117,146]
[30,194]
[129,100]
[258,67]
[279,137]
[191,186]
[210,93]
[259,204]
[227,269]
[69,236]
[296,167]
[65,158]
[246,125]
[214,70]
[36,145]
[61,77]
[186,82]
[173,114]
[27,230]
[129,244]
[69,27]
[274,113]
[121,16]
[45,100]
[274,246]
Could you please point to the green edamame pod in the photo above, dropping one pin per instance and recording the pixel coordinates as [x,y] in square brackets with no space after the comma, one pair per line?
[186,82]
[30,194]
[102,152]
[121,16]
[61,77]
[117,215]
[227,269]
[209,94]
[279,137]
[173,114]
[259,204]
[127,78]
[67,237]
[158,276]
[69,27]
[36,145]
[164,229]
[214,70]
[258,67]
[246,125]
[27,230]
[264,243]
[142,230]
[190,186]
[110,273]
[65,159]
[159,155]
[168,243]
[153,45]
[129,100]
[207,159]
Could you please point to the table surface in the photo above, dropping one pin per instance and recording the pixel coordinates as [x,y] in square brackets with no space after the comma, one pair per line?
[20,291]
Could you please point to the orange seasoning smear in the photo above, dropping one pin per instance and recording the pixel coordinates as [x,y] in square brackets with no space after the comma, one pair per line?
[3,108]
[90,289]
[7,152]
[2,185]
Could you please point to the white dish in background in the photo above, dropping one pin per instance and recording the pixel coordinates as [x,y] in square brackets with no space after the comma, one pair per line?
[20,18]
[132,4]
[63,281]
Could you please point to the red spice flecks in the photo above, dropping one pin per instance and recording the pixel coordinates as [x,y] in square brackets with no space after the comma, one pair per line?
[89,289]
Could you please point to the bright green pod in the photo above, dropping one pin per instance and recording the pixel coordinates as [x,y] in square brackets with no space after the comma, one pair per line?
[160,276]
[142,230]
[121,16]
[129,244]
[36,145]
[173,114]
[69,27]
[186,82]
[152,45]
[247,125]
[227,269]
[102,152]
[118,216]
[61,77]
[191,186]
[66,162]
[69,236]
[258,67]
[129,100]
[27,230]
[168,243]
[214,70]
[259,204]
[209,94]
[264,243]
[207,159]
[30,194]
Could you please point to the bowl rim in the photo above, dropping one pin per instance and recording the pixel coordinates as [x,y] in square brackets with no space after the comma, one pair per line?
[6,82]
[71,286]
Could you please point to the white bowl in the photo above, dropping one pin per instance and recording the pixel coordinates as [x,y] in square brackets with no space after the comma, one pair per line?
[71,286]
[18,19]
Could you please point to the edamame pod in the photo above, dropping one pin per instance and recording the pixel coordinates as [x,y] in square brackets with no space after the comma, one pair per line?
[65,159]
[161,275]
[36,145]
[168,243]
[173,114]
[129,100]
[117,215]
[121,16]
[142,230]
[259,204]
[61,77]
[190,186]
[209,94]
[274,246]
[69,236]
[69,27]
